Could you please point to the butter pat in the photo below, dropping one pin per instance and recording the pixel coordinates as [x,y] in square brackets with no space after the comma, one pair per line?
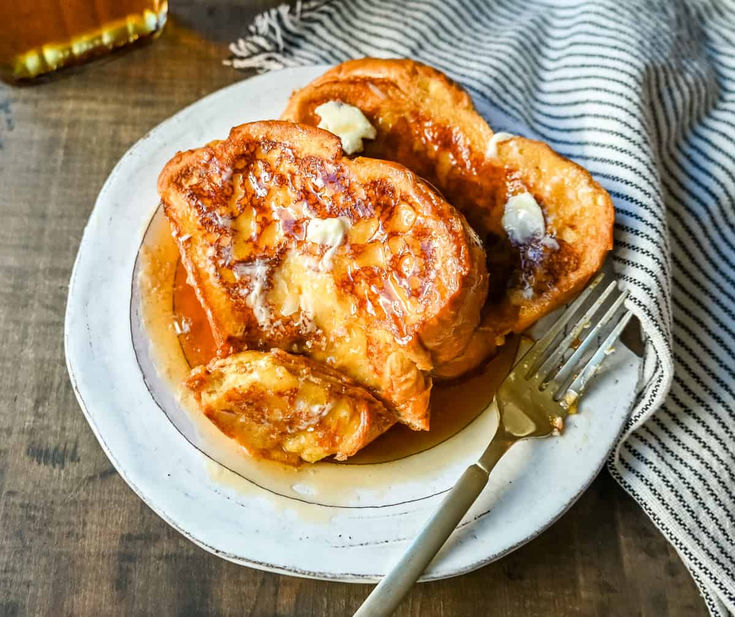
[327,232]
[257,271]
[330,232]
[523,219]
[492,147]
[347,122]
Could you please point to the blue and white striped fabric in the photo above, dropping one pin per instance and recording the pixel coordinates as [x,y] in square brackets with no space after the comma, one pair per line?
[642,93]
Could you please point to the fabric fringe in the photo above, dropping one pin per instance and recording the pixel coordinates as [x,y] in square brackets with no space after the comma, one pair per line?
[657,136]
[263,48]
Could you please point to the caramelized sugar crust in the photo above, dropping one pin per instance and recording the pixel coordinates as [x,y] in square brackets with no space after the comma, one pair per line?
[428,123]
[391,288]
[288,408]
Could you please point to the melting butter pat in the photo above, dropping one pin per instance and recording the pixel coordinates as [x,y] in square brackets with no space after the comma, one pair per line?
[258,272]
[327,232]
[523,219]
[492,146]
[347,122]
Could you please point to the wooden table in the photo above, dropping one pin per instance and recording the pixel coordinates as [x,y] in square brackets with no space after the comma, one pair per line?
[74,539]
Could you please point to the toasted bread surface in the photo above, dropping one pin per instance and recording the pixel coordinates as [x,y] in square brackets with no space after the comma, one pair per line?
[428,123]
[423,120]
[287,408]
[357,263]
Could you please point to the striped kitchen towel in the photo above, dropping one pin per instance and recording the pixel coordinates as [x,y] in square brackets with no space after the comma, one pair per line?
[642,93]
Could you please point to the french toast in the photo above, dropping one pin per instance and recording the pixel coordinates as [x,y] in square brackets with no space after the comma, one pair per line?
[356,263]
[287,408]
[428,123]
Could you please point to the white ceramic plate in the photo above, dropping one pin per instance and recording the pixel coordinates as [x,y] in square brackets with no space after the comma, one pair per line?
[330,521]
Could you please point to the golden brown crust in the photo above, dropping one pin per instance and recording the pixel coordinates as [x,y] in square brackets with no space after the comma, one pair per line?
[397,295]
[580,216]
[287,408]
[424,121]
[428,123]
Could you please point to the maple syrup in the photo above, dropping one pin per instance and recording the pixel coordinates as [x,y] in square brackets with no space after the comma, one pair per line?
[197,342]
[454,404]
[41,36]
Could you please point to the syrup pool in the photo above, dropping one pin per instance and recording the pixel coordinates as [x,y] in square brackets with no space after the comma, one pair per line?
[454,404]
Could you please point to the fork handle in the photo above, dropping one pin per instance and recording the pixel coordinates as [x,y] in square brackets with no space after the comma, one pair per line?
[384,599]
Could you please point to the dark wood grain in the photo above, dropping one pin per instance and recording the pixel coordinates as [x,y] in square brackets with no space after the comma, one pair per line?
[74,539]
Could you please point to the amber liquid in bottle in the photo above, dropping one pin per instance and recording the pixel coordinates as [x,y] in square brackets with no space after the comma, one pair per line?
[40,36]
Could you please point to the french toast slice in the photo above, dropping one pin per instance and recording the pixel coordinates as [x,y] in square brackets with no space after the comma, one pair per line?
[287,408]
[428,123]
[356,263]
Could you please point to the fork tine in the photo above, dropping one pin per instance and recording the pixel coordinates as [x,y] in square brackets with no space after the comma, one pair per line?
[536,353]
[556,355]
[588,341]
[568,395]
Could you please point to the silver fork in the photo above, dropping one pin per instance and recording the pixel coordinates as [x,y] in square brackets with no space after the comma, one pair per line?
[533,401]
